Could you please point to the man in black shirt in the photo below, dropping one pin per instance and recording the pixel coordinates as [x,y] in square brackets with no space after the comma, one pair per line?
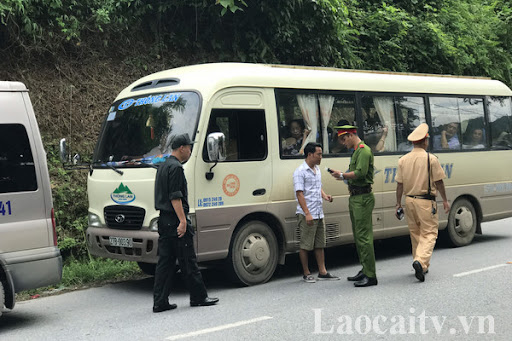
[175,231]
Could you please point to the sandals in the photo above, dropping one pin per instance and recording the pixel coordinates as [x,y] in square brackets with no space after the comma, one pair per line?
[308,278]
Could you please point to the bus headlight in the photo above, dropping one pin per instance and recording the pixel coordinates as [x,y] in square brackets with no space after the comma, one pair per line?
[153,225]
[94,220]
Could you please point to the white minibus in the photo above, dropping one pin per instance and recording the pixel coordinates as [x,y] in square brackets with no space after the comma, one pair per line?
[250,122]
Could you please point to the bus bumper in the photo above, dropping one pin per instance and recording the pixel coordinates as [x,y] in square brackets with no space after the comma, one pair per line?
[138,246]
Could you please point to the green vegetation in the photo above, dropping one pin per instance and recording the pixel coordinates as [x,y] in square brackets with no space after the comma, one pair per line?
[81,274]
[467,37]
[76,55]
[78,273]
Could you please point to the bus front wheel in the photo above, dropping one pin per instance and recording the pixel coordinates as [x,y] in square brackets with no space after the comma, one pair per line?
[462,221]
[253,254]
[147,268]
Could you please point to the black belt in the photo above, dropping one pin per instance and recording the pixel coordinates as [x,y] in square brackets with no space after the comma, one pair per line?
[425,196]
[356,190]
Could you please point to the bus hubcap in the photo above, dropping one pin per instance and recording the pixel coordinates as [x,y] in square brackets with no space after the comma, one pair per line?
[256,252]
[464,220]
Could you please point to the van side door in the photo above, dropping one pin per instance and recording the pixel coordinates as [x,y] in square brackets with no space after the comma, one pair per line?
[23,211]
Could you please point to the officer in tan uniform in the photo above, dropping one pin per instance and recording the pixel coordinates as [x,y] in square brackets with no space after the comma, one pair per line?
[420,197]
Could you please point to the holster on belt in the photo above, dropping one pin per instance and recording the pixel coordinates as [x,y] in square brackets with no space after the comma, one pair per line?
[356,190]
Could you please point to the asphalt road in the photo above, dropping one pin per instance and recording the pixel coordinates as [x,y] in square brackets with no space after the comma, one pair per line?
[466,296]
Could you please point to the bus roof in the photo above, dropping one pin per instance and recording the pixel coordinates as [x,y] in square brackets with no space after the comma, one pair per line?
[12,86]
[209,78]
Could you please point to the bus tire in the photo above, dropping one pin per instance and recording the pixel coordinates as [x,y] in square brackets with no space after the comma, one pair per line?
[147,268]
[253,254]
[462,222]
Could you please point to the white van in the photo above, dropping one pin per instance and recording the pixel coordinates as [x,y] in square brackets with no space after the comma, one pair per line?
[29,257]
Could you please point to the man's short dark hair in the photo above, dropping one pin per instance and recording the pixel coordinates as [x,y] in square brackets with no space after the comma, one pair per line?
[311,148]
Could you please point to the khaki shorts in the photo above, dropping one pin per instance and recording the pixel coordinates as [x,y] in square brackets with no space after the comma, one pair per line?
[311,236]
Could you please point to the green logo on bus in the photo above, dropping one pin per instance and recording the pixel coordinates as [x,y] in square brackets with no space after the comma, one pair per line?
[122,195]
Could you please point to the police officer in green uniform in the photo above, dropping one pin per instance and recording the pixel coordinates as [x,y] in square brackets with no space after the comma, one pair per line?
[361,202]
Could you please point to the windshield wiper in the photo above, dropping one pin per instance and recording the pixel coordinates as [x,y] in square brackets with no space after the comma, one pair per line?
[118,171]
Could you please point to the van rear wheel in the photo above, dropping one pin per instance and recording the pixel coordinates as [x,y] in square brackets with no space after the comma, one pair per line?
[462,221]
[2,297]
[253,254]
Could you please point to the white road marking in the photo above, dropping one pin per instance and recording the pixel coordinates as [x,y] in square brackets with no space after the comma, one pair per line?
[479,270]
[216,329]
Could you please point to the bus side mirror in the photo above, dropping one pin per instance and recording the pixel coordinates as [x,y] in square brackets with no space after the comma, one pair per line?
[77,160]
[216,146]
[63,151]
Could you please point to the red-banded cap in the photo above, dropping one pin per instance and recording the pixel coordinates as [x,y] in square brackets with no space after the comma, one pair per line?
[342,130]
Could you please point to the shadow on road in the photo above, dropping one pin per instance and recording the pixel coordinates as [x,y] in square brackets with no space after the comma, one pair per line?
[343,256]
[10,321]
[216,278]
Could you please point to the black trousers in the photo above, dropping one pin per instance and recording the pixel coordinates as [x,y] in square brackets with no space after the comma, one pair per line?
[171,248]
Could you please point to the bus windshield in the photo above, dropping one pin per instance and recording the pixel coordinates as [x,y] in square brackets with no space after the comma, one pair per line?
[138,130]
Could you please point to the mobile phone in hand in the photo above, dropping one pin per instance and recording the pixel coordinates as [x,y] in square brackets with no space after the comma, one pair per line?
[329,170]
[400,213]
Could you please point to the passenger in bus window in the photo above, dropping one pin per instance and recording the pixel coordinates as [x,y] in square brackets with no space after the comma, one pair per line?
[404,146]
[475,139]
[307,182]
[448,139]
[297,134]
[380,147]
[504,139]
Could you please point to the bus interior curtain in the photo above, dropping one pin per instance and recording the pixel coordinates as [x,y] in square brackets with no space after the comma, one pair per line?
[309,108]
[384,107]
[326,102]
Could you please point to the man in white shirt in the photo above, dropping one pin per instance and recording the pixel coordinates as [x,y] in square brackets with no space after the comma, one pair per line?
[307,182]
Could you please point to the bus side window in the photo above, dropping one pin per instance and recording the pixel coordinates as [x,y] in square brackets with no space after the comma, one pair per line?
[445,123]
[245,132]
[343,112]
[500,119]
[379,123]
[410,114]
[472,119]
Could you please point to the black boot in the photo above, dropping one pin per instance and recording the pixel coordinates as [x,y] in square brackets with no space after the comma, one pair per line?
[418,271]
[366,281]
[357,277]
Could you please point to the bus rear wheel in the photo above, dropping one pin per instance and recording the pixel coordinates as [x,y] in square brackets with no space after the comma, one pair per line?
[462,221]
[253,254]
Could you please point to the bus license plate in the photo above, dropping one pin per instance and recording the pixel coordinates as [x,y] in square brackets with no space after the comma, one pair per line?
[121,241]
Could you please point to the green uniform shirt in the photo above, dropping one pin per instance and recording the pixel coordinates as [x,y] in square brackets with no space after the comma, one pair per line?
[361,163]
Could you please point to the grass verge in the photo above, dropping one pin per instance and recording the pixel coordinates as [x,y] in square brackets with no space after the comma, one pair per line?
[83,274]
